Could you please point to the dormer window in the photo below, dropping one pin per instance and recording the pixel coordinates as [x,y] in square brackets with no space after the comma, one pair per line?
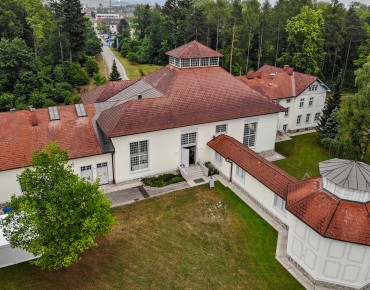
[194,61]
[185,62]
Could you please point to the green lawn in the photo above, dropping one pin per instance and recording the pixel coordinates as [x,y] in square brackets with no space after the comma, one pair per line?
[303,154]
[133,69]
[197,238]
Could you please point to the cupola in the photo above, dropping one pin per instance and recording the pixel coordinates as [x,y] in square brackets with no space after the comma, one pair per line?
[193,54]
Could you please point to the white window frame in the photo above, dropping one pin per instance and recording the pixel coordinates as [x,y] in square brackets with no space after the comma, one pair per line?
[317,117]
[185,62]
[240,173]
[286,113]
[301,103]
[218,158]
[204,61]
[194,62]
[250,134]
[141,155]
[299,119]
[213,61]
[221,129]
[288,100]
[308,117]
[189,139]
[280,204]
[310,102]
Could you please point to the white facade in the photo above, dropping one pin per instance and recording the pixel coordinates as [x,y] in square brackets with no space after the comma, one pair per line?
[313,101]
[165,150]
[10,185]
[328,260]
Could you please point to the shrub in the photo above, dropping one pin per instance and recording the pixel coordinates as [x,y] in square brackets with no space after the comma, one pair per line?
[99,79]
[72,99]
[162,180]
[91,65]
[212,170]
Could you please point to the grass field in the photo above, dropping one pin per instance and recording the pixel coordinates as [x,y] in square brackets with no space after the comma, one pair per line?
[197,238]
[303,154]
[134,69]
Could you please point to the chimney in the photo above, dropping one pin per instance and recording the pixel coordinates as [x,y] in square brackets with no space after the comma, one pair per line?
[140,96]
[290,71]
[33,117]
[259,75]
[286,67]
[250,75]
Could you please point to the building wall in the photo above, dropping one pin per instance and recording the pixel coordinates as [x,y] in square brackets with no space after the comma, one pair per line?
[294,109]
[328,260]
[10,185]
[253,187]
[165,146]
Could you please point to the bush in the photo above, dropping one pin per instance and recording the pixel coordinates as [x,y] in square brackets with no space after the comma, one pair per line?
[163,180]
[212,170]
[99,79]
[72,99]
[91,66]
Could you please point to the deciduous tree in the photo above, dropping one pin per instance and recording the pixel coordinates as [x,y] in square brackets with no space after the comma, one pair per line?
[59,215]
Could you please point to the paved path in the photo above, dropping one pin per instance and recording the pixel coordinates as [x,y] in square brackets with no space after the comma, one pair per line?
[108,57]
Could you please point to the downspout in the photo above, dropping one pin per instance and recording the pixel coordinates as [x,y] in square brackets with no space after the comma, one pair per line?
[113,165]
[231,168]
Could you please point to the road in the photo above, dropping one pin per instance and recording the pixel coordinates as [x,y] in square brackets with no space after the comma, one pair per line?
[108,57]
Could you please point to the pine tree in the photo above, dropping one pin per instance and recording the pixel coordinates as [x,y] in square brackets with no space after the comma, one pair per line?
[114,75]
[331,125]
[332,103]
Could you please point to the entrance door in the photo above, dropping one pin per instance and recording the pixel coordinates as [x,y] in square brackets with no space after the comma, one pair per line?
[86,172]
[185,153]
[192,155]
[102,172]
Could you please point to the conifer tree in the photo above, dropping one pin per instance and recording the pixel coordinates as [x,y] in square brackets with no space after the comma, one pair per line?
[114,75]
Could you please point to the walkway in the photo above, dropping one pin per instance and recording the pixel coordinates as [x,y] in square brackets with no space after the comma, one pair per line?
[108,57]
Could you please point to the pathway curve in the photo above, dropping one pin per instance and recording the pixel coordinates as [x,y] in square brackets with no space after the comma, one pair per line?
[108,57]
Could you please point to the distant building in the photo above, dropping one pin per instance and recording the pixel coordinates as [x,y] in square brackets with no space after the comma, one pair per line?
[302,96]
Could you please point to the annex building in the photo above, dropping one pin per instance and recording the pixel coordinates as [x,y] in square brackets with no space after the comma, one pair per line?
[193,111]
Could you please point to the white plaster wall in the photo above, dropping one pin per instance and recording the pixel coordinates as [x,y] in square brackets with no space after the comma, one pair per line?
[328,260]
[9,183]
[255,188]
[165,146]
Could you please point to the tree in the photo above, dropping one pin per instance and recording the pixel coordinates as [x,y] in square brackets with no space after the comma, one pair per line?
[91,65]
[352,140]
[114,75]
[305,41]
[59,215]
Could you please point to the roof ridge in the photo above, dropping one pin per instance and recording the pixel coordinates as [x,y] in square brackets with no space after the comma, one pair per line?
[332,217]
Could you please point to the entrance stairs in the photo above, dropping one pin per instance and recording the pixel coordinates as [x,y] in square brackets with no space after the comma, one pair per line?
[194,175]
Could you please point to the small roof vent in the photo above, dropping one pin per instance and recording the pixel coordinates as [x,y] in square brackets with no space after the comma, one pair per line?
[80,110]
[139,96]
[53,113]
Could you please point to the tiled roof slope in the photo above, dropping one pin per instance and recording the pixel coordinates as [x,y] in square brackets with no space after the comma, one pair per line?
[276,83]
[267,173]
[191,96]
[19,138]
[193,49]
[106,91]
[327,214]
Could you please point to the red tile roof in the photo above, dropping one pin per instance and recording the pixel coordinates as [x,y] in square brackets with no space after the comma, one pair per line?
[327,214]
[264,171]
[191,96]
[106,91]
[276,83]
[18,138]
[192,50]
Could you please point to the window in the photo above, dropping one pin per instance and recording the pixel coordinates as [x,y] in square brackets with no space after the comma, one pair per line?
[286,114]
[185,62]
[172,60]
[177,62]
[308,117]
[221,128]
[218,158]
[139,155]
[86,172]
[195,62]
[299,119]
[213,61]
[250,130]
[313,87]
[204,61]
[317,117]
[279,204]
[310,102]
[99,165]
[301,103]
[285,127]
[189,138]
[288,100]
[240,173]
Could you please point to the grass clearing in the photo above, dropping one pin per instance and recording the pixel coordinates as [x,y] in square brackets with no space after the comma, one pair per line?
[134,69]
[198,238]
[303,154]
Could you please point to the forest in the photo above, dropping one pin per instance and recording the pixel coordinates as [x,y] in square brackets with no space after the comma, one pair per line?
[46,52]
[315,38]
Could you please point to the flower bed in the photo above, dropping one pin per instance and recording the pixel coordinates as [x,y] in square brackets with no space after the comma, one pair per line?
[163,180]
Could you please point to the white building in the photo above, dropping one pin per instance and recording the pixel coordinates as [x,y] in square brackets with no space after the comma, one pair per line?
[302,96]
